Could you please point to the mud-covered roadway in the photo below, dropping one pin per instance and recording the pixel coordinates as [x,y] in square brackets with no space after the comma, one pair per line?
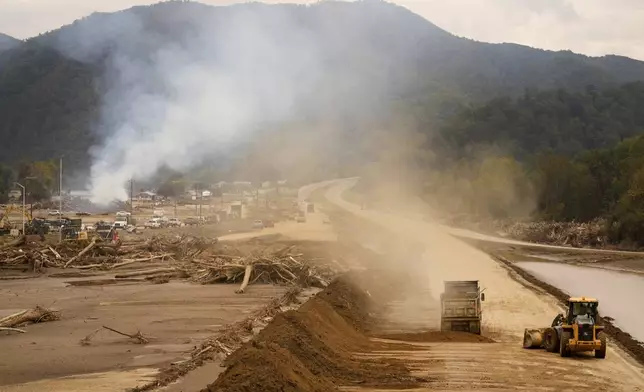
[511,305]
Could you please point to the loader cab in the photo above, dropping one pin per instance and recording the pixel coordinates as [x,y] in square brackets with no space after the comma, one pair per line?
[581,307]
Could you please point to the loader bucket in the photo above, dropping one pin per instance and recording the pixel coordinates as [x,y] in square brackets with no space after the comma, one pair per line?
[532,338]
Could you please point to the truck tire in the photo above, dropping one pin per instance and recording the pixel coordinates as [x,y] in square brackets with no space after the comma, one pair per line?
[551,340]
[564,350]
[601,353]
[475,328]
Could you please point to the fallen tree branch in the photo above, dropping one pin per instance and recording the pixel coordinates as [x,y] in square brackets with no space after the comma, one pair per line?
[137,336]
[54,252]
[78,256]
[247,272]
[12,329]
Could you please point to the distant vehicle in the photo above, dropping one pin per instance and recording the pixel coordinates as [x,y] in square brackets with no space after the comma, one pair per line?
[123,213]
[258,224]
[174,222]
[158,213]
[54,213]
[300,219]
[82,213]
[191,221]
[153,224]
[121,222]
[269,223]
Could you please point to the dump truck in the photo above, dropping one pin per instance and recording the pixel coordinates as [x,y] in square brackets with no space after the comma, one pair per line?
[575,331]
[461,306]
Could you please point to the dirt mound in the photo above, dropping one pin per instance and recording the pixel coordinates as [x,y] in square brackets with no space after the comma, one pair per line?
[317,343]
[437,336]
[268,367]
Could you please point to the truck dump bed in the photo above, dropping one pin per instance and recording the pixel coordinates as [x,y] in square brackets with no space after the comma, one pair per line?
[461,306]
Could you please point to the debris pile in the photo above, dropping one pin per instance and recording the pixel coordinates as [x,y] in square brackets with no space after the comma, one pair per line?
[201,259]
[575,234]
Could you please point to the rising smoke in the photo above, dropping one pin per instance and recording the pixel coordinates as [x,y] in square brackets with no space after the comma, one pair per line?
[183,82]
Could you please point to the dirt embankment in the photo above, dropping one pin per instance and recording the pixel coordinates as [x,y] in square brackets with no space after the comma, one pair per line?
[625,340]
[313,349]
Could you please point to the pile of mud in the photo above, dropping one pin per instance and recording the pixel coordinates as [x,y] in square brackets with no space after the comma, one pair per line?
[624,339]
[312,349]
[436,336]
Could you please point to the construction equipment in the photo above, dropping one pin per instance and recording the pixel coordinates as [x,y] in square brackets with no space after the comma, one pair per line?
[461,306]
[575,331]
[72,229]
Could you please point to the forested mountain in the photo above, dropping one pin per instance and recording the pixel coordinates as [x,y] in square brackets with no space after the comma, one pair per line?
[556,121]
[372,58]
[7,42]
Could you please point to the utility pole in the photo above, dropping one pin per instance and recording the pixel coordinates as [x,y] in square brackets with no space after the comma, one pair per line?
[24,204]
[60,199]
[131,196]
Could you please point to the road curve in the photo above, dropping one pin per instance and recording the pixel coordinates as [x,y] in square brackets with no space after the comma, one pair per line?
[509,308]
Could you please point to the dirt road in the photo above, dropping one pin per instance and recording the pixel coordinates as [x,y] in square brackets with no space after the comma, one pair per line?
[509,308]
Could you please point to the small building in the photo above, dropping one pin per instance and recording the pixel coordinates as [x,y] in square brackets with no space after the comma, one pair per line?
[145,196]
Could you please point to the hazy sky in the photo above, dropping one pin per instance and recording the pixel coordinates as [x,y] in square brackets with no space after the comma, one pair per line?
[593,27]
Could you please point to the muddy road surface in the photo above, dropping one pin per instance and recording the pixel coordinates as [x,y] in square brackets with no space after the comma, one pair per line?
[178,315]
[510,307]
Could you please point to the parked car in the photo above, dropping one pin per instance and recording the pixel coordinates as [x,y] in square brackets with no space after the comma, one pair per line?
[153,224]
[54,213]
[300,219]
[269,223]
[191,221]
[258,224]
[174,222]
[123,213]
[82,213]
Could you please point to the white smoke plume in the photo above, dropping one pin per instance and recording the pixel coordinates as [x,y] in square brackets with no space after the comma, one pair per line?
[175,103]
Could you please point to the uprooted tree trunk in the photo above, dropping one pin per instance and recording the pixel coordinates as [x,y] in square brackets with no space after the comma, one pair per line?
[36,315]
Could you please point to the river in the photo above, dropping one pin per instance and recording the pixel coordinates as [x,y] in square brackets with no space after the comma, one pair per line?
[619,293]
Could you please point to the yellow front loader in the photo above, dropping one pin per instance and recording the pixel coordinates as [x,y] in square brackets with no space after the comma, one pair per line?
[576,331]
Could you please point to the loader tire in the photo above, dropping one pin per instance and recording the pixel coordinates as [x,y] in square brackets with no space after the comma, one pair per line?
[564,350]
[551,340]
[601,353]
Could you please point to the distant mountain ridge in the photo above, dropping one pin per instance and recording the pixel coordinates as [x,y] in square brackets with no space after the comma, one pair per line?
[374,58]
[8,42]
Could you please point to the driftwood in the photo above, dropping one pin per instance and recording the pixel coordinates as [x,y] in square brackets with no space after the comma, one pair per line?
[12,329]
[138,336]
[36,315]
[54,252]
[247,272]
[82,252]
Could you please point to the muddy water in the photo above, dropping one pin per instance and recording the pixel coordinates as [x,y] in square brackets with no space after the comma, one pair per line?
[619,293]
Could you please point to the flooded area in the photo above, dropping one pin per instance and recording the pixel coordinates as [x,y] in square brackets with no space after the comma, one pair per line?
[618,293]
